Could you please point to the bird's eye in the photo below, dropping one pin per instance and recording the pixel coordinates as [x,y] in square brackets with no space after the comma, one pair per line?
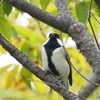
[57,36]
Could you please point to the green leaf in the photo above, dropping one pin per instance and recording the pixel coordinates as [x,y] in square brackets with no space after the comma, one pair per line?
[18,94]
[11,75]
[26,49]
[29,34]
[2,13]
[34,2]
[7,8]
[4,68]
[82,12]
[26,74]
[55,12]
[5,27]
[11,94]
[14,33]
[44,3]
[32,39]
[69,1]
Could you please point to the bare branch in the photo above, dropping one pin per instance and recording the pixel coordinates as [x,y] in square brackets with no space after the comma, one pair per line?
[84,43]
[64,12]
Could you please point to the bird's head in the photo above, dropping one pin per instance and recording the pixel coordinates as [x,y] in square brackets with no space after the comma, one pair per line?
[53,40]
[54,36]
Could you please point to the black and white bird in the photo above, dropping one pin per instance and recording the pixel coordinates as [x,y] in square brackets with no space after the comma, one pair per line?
[56,59]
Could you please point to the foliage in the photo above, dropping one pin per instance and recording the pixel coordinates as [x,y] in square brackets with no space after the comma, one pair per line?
[16,81]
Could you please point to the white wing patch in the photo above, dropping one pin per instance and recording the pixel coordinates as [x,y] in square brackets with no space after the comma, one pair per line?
[44,59]
[60,42]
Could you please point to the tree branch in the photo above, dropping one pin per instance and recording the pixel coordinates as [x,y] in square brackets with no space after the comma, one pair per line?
[84,42]
[38,14]
[66,23]
[80,34]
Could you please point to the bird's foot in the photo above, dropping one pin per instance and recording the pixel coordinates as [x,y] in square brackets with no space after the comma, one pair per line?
[59,81]
[46,72]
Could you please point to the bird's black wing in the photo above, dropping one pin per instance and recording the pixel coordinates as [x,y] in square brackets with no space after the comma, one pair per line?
[70,75]
[68,60]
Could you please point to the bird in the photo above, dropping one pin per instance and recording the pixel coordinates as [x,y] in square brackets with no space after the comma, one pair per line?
[56,60]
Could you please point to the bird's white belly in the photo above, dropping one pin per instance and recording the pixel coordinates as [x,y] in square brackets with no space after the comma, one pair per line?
[58,59]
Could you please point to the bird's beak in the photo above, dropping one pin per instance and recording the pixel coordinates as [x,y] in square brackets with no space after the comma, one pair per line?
[52,35]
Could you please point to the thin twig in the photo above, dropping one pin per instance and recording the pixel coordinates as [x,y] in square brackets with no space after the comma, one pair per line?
[41,29]
[89,19]
[85,77]
[91,13]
